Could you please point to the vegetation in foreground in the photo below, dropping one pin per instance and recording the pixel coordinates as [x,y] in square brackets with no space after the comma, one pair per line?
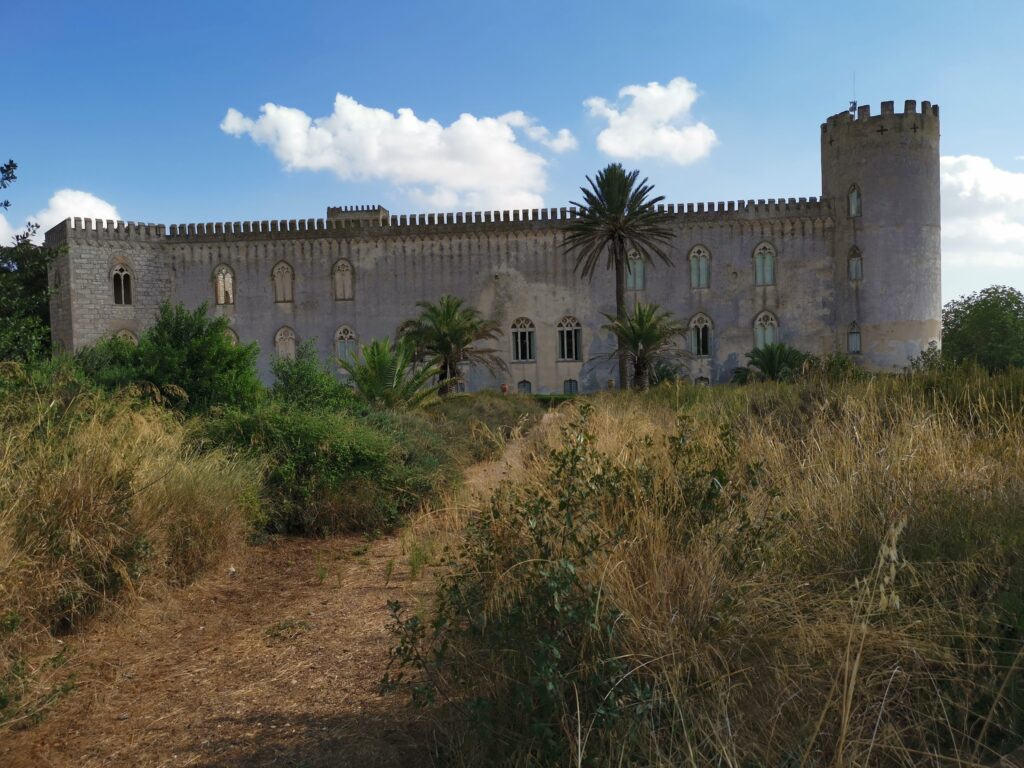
[777,574]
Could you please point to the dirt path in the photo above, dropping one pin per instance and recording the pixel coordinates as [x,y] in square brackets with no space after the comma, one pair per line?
[274,664]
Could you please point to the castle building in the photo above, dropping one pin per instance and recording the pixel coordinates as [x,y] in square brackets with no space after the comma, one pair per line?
[856,270]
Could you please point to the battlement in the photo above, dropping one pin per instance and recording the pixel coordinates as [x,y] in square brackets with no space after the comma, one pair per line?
[926,119]
[418,224]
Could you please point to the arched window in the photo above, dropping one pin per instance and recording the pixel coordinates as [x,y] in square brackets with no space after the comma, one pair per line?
[700,336]
[232,336]
[570,335]
[122,285]
[764,264]
[702,381]
[127,335]
[523,341]
[766,330]
[853,339]
[345,344]
[524,387]
[570,386]
[284,343]
[855,265]
[853,202]
[344,280]
[284,278]
[224,284]
[700,267]
[635,280]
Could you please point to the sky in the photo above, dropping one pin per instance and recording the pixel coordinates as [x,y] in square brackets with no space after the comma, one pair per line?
[232,111]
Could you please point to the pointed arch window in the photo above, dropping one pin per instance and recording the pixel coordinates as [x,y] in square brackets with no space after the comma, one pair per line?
[855,265]
[126,335]
[570,337]
[700,336]
[344,280]
[284,281]
[284,343]
[853,339]
[764,264]
[700,267]
[524,387]
[570,386]
[346,344]
[523,335]
[224,284]
[766,330]
[635,278]
[232,336]
[853,202]
[122,279]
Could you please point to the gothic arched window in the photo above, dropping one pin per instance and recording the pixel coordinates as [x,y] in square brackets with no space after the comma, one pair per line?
[127,335]
[344,280]
[284,279]
[232,336]
[766,330]
[224,284]
[523,333]
[524,387]
[853,202]
[855,265]
[570,386]
[764,264]
[122,285]
[345,344]
[853,339]
[284,343]
[570,336]
[635,279]
[700,267]
[700,336]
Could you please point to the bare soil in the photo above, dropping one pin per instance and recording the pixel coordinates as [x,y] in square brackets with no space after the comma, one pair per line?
[273,662]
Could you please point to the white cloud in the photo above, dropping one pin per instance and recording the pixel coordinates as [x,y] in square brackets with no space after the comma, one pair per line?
[657,122]
[475,162]
[64,204]
[982,213]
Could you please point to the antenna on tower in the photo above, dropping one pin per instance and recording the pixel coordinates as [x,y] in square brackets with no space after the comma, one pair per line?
[853,102]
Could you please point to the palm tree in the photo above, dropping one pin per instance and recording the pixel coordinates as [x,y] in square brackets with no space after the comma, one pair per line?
[772,362]
[384,375]
[445,333]
[618,218]
[645,339]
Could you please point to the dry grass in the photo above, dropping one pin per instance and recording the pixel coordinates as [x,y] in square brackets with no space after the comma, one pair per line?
[789,575]
[99,495]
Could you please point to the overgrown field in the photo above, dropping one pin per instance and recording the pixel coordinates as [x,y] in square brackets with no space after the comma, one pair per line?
[772,575]
[105,490]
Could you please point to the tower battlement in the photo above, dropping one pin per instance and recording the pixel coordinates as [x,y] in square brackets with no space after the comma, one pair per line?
[924,121]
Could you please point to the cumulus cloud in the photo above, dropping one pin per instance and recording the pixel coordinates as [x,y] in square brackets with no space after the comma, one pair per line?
[656,122]
[474,162]
[64,204]
[982,213]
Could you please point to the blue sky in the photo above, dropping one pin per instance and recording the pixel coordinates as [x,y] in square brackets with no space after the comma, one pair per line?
[153,111]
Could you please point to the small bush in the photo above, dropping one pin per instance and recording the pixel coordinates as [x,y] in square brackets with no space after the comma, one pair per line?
[305,382]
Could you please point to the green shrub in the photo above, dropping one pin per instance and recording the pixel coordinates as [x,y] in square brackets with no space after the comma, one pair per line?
[306,382]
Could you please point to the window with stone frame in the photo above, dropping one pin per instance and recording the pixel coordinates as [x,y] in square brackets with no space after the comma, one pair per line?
[524,387]
[284,280]
[570,337]
[232,336]
[853,339]
[700,267]
[523,338]
[766,330]
[224,285]
[284,343]
[346,344]
[700,336]
[764,264]
[122,279]
[635,268]
[853,202]
[344,280]
[570,386]
[855,265]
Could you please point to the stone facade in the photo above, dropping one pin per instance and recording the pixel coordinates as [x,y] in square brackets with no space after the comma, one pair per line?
[361,271]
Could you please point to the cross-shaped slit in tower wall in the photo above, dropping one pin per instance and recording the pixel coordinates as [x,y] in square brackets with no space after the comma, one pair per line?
[881,129]
[831,141]
[914,129]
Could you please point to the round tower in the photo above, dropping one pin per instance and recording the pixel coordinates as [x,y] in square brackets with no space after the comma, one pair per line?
[882,175]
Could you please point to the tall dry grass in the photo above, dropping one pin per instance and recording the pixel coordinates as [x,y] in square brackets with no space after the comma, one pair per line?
[99,494]
[763,576]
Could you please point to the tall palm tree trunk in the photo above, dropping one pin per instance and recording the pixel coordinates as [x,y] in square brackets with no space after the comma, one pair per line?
[620,305]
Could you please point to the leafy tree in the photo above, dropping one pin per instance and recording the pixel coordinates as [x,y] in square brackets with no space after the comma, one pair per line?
[7,178]
[385,375]
[617,218]
[772,362]
[445,334]
[645,338]
[986,327]
[305,381]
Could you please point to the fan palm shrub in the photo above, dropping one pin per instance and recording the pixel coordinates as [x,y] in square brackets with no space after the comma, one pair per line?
[772,362]
[446,335]
[618,218]
[645,338]
[385,375]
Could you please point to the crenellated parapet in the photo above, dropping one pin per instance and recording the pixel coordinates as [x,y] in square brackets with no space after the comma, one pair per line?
[421,224]
[923,121]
